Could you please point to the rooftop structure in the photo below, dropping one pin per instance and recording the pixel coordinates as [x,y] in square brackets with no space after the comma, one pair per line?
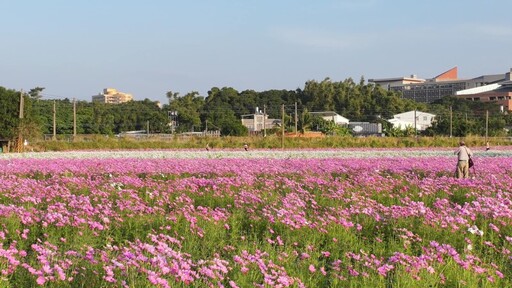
[444,84]
[500,93]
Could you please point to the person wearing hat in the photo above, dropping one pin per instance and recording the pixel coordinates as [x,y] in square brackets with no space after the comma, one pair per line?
[463,155]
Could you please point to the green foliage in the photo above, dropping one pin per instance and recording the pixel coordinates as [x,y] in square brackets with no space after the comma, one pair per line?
[223,108]
[272,141]
[358,102]
[100,118]
[10,123]
[188,110]
[219,113]
[467,118]
[328,127]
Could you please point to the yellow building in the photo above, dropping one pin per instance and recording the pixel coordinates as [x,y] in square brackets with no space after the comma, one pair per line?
[112,96]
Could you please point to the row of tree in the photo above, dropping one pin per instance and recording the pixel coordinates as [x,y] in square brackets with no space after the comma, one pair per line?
[223,108]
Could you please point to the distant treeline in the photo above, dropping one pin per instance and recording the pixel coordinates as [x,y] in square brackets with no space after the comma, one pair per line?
[223,108]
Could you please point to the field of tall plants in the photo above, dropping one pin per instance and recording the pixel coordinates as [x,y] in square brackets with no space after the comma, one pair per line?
[99,142]
[262,218]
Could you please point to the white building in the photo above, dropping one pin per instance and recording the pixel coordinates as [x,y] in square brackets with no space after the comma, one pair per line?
[331,116]
[407,119]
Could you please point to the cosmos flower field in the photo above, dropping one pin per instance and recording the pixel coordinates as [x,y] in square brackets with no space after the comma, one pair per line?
[296,218]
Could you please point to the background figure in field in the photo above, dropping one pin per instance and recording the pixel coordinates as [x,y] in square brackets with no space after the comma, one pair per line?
[207,147]
[246,147]
[487,147]
[463,154]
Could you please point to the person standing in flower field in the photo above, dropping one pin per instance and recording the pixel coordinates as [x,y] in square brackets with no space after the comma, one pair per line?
[463,155]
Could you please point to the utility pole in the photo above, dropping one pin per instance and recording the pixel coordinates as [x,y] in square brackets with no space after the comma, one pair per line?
[296,131]
[19,144]
[206,126]
[264,120]
[54,122]
[147,128]
[74,118]
[415,125]
[486,125]
[282,126]
[451,116]
[22,104]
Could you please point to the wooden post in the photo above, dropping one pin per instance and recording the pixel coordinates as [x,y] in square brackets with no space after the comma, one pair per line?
[19,141]
[282,126]
[451,117]
[486,125]
[296,130]
[54,121]
[74,118]
[264,120]
[415,125]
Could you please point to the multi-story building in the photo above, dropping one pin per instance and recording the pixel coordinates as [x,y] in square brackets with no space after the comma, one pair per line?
[112,96]
[259,121]
[500,93]
[444,84]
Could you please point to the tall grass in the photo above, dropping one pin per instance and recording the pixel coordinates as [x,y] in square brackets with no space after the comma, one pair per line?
[258,142]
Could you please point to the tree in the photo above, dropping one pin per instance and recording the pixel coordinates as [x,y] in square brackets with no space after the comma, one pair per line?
[305,121]
[188,110]
[172,96]
[219,111]
[35,93]
[12,125]
[9,112]
[466,118]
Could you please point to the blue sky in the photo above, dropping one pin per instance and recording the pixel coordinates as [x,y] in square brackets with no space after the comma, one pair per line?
[76,48]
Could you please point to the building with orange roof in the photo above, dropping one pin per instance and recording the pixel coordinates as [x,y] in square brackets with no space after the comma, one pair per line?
[444,84]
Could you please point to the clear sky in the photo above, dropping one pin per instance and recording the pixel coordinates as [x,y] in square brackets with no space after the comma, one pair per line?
[75,48]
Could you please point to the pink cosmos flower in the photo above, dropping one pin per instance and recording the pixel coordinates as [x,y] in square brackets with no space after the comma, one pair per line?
[312,268]
[40,280]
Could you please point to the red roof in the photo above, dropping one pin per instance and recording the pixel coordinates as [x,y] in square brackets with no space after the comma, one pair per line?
[448,75]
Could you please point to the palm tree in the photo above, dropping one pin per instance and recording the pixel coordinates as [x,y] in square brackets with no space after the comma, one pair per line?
[304,121]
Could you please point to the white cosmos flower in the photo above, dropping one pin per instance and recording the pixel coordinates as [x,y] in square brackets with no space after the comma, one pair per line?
[474,230]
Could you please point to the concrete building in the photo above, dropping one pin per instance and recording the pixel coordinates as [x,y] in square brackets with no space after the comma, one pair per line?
[444,84]
[407,119]
[258,121]
[500,93]
[112,96]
